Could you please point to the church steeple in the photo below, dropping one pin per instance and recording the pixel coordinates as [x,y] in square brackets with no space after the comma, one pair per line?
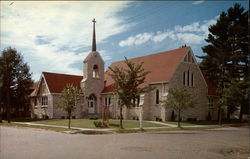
[94,40]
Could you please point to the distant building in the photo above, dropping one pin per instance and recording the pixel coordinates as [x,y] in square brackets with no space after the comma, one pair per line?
[168,69]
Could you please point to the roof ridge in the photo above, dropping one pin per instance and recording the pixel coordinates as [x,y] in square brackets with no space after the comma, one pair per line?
[151,54]
[62,74]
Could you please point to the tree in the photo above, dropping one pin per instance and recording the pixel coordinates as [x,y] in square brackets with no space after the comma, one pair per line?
[227,57]
[179,99]
[15,82]
[68,100]
[128,83]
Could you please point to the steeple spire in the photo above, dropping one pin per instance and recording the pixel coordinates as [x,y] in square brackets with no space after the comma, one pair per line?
[94,41]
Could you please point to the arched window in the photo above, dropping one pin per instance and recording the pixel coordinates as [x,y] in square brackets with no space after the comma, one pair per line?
[95,72]
[192,80]
[157,97]
[184,78]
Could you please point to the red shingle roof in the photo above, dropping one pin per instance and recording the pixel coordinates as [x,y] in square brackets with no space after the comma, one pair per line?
[56,82]
[161,66]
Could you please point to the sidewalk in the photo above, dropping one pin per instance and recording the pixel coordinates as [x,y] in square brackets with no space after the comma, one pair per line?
[103,130]
[57,126]
[160,123]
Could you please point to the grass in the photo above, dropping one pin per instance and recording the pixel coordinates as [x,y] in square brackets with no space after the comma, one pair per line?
[85,123]
[187,123]
[34,126]
[114,124]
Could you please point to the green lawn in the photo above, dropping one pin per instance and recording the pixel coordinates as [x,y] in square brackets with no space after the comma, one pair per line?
[5,123]
[186,123]
[86,123]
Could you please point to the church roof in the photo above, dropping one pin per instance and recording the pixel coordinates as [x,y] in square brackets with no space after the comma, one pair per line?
[160,65]
[56,82]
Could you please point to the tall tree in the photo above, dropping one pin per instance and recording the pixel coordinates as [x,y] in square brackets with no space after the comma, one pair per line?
[68,100]
[128,82]
[15,82]
[179,99]
[227,57]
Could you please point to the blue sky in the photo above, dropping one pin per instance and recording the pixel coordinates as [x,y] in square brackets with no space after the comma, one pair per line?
[57,36]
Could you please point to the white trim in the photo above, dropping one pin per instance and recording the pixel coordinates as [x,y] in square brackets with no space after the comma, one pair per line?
[160,82]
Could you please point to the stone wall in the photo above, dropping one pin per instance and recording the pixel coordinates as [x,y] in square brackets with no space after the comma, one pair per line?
[198,90]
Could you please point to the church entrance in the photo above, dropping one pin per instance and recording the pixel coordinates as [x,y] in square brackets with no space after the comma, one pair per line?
[91,104]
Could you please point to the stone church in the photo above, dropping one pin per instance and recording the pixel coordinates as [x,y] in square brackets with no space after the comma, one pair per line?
[168,69]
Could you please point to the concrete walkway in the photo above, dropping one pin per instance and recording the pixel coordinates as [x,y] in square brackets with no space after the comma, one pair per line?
[161,123]
[66,127]
[166,125]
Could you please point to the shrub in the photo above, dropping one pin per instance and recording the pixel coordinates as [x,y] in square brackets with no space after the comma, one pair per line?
[45,116]
[35,116]
[100,124]
[191,119]
[62,117]
[73,117]
[94,117]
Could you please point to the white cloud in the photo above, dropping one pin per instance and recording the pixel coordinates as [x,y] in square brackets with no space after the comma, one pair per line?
[194,33]
[136,40]
[190,38]
[198,2]
[41,29]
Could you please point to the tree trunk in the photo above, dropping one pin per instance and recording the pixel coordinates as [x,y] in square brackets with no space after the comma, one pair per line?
[228,114]
[220,116]
[8,104]
[69,119]
[121,126]
[241,112]
[179,118]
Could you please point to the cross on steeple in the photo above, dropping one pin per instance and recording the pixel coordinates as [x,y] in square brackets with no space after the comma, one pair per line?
[94,40]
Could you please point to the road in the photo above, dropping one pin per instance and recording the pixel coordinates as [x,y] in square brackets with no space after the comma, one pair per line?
[29,143]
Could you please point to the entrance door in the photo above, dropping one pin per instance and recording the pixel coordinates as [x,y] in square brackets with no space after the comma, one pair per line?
[91,104]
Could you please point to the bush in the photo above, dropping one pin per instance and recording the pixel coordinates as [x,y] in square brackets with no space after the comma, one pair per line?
[73,117]
[45,116]
[158,119]
[62,117]
[93,117]
[191,119]
[35,116]
[100,124]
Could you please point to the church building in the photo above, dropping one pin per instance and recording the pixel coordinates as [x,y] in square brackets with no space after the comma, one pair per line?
[169,69]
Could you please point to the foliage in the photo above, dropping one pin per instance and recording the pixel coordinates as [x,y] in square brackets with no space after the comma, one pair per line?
[227,56]
[179,99]
[100,124]
[15,82]
[127,84]
[68,100]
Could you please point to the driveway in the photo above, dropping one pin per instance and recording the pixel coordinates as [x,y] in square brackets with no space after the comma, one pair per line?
[28,143]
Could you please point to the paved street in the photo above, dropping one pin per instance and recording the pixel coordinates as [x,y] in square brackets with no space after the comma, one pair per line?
[27,143]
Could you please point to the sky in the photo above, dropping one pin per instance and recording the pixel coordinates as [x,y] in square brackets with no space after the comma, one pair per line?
[56,36]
